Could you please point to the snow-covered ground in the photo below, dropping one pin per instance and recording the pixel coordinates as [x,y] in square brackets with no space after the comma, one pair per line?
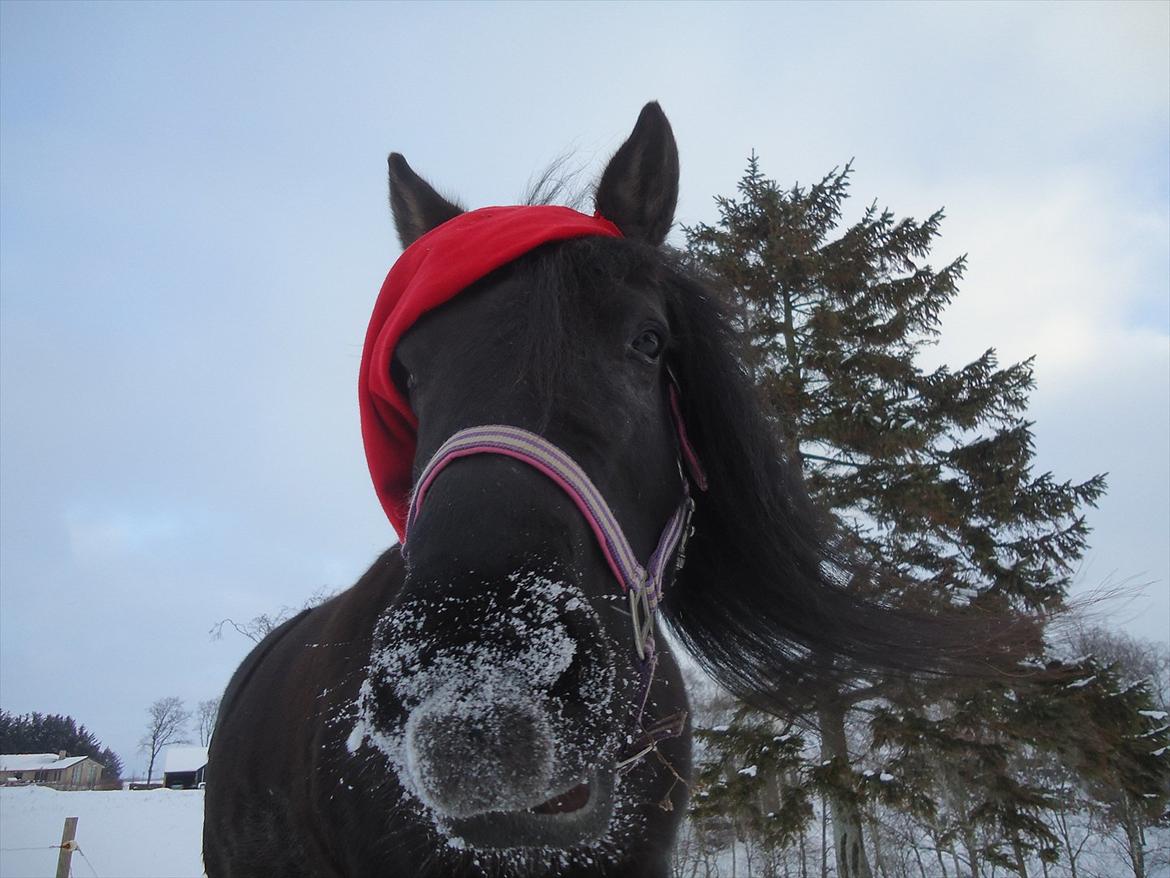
[123,834]
[158,834]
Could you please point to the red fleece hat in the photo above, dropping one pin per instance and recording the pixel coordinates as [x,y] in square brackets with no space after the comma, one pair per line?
[432,270]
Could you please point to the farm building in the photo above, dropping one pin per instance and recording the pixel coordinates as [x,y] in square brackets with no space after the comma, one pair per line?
[185,767]
[56,770]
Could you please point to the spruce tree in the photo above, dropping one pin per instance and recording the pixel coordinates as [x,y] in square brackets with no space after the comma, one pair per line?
[1118,740]
[925,476]
[752,779]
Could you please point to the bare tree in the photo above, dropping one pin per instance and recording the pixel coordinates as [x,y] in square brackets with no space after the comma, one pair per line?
[168,719]
[259,627]
[256,628]
[205,715]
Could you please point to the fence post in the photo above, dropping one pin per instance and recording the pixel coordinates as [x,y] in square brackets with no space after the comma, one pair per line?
[68,846]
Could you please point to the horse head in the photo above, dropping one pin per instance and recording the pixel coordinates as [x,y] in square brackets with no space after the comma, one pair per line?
[509,681]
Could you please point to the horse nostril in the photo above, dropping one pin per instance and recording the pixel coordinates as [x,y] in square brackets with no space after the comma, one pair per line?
[568,684]
[587,679]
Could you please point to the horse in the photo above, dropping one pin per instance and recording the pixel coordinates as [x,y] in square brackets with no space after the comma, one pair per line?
[565,436]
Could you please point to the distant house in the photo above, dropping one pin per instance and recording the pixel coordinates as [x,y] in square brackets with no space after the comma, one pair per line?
[56,770]
[185,767]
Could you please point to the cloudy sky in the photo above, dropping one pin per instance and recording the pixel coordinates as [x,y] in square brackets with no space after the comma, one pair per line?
[193,227]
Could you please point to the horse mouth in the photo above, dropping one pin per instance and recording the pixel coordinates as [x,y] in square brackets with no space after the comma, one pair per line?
[567,802]
[577,816]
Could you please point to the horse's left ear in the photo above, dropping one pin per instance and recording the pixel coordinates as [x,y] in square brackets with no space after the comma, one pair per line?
[416,206]
[639,189]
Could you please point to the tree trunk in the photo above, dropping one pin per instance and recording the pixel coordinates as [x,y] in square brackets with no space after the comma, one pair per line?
[918,857]
[1135,841]
[878,861]
[824,837]
[972,849]
[1066,837]
[958,862]
[1021,866]
[936,845]
[848,841]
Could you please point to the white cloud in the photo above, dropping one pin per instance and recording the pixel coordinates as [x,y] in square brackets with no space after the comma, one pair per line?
[1063,268]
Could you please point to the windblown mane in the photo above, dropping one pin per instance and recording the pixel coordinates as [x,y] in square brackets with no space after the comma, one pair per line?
[761,602]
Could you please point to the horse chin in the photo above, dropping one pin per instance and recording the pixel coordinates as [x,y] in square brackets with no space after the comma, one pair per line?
[579,815]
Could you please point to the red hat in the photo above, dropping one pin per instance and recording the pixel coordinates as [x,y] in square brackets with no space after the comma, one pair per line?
[433,269]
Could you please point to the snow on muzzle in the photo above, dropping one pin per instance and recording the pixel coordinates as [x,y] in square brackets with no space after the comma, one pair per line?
[497,702]
[487,747]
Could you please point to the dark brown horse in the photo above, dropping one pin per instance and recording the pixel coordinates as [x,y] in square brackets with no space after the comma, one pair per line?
[487,705]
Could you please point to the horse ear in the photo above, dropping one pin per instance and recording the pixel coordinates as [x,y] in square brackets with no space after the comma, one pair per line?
[417,207]
[639,189]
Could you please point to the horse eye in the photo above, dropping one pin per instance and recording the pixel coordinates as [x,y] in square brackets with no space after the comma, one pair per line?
[648,344]
[402,377]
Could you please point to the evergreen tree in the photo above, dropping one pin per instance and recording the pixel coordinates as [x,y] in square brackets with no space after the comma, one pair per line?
[925,475]
[1015,758]
[1118,739]
[753,779]
[52,733]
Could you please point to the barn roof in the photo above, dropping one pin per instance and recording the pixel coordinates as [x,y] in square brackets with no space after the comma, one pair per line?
[37,761]
[185,758]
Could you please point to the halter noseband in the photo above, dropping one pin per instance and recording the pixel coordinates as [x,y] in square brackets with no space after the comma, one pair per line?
[642,584]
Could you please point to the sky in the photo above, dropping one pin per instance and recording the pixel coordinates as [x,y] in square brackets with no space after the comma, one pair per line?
[193,228]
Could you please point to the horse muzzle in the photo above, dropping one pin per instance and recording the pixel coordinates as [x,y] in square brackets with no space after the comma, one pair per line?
[471,755]
[497,709]
[487,768]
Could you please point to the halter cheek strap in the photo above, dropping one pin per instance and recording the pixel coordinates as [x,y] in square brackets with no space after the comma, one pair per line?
[643,584]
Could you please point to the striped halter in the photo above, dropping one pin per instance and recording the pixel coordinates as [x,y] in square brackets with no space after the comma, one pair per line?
[643,584]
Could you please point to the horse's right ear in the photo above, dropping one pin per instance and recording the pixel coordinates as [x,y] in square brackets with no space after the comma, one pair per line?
[417,207]
[639,188]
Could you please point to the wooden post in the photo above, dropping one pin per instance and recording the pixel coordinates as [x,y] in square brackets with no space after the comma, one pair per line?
[68,846]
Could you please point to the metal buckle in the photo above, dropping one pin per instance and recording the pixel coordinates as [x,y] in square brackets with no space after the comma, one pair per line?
[688,531]
[642,616]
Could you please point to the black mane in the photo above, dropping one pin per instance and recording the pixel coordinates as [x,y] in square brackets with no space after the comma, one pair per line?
[762,602]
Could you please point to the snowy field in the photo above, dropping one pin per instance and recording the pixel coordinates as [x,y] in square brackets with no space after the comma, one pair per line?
[155,834]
